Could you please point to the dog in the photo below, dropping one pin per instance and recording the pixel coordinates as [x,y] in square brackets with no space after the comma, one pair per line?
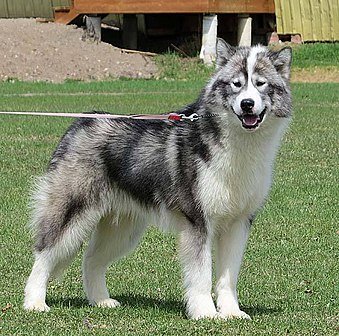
[109,179]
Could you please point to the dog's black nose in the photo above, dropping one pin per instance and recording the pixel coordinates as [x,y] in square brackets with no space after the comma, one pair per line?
[247,105]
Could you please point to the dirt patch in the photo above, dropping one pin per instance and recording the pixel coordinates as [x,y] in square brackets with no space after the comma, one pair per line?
[316,75]
[33,51]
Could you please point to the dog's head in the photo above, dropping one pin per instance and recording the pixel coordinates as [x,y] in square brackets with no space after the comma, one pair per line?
[251,83]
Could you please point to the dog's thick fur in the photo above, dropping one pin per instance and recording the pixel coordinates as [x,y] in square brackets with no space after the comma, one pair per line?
[110,178]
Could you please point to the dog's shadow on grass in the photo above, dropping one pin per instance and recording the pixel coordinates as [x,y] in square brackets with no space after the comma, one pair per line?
[145,302]
[67,302]
[254,311]
[137,301]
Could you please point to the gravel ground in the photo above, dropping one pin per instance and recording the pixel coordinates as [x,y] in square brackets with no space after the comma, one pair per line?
[34,51]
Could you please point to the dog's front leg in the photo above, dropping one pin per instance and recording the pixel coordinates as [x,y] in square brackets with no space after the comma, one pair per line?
[195,250]
[230,245]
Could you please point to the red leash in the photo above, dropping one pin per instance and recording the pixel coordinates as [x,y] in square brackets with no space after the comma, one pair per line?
[170,116]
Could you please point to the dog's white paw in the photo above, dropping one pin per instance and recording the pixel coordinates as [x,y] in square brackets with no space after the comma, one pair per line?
[107,303]
[204,315]
[38,306]
[234,314]
[201,307]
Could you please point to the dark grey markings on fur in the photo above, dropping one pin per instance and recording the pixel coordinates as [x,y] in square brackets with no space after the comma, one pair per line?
[70,204]
[221,86]
[47,235]
[128,170]
[145,178]
[251,220]
[282,60]
[74,206]
[185,182]
[66,140]
[53,226]
[207,125]
[224,53]
[271,66]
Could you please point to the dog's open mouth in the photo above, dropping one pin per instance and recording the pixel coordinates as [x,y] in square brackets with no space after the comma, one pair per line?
[250,120]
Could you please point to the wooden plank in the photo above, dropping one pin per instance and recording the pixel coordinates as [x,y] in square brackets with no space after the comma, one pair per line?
[174,6]
[325,20]
[65,18]
[140,6]
[306,21]
[244,6]
[296,15]
[62,9]
[334,17]
[316,20]
[278,16]
[287,15]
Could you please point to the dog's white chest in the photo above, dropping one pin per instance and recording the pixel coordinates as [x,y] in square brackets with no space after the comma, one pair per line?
[234,186]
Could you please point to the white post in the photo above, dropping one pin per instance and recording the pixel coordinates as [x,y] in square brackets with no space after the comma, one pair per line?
[93,27]
[209,39]
[244,30]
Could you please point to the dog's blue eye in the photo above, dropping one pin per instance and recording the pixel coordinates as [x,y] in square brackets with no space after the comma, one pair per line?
[237,84]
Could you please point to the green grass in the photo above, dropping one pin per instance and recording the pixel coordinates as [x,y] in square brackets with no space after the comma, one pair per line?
[316,54]
[289,279]
[173,66]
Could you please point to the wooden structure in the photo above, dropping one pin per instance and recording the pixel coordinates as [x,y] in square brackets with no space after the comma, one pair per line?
[78,7]
[129,8]
[314,20]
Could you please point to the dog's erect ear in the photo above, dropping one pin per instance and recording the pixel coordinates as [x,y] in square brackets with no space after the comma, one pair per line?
[282,61]
[224,52]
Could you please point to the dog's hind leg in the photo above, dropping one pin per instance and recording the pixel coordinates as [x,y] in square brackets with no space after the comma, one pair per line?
[56,245]
[110,241]
[36,286]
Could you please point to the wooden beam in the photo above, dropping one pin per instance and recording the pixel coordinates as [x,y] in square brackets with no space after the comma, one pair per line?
[242,6]
[65,17]
[141,6]
[173,6]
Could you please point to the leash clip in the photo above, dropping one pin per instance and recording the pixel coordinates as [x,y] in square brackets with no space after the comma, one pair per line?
[192,117]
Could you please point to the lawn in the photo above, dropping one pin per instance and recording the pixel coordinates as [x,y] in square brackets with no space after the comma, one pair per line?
[289,279]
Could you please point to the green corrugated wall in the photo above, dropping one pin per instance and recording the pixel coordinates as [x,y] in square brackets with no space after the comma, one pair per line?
[315,20]
[29,8]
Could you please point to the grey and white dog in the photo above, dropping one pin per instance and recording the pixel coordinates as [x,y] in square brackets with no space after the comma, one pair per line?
[109,179]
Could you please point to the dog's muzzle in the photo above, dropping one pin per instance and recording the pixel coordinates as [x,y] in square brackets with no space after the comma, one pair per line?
[251,120]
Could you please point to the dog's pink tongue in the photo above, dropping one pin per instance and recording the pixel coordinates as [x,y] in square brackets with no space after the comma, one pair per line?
[250,119]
